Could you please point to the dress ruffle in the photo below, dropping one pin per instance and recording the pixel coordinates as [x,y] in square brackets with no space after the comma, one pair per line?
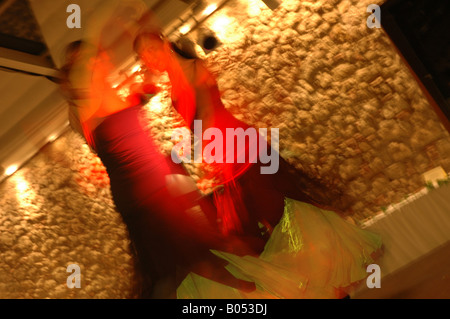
[312,253]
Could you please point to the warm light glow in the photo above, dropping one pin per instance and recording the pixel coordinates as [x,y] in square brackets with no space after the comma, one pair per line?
[254,7]
[135,68]
[21,185]
[11,170]
[26,197]
[184,29]
[52,138]
[210,9]
[226,28]
[221,23]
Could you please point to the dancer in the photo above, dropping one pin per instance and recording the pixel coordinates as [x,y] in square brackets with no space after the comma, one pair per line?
[311,251]
[257,198]
[169,223]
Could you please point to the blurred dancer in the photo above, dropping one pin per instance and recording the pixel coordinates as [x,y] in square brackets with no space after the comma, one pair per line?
[247,198]
[311,251]
[171,227]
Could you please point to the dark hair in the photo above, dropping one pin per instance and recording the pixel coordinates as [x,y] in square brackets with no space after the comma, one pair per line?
[69,55]
[185,47]
[72,47]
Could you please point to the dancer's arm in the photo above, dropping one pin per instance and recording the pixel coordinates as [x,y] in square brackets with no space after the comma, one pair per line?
[183,93]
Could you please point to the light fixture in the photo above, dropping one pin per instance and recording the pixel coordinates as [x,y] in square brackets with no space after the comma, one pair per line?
[209,9]
[198,7]
[52,138]
[184,29]
[135,68]
[11,170]
[199,12]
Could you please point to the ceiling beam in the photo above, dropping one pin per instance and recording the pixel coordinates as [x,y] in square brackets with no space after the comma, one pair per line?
[21,61]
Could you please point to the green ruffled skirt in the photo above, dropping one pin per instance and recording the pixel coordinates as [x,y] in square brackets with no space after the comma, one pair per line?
[312,253]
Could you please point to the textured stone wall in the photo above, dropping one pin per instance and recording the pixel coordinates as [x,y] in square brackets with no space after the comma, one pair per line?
[348,108]
[55,211]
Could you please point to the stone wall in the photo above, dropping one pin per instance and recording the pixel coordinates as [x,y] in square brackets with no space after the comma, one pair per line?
[347,106]
[55,211]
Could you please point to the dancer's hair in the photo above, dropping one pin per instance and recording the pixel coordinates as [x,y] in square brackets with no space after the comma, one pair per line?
[71,53]
[71,50]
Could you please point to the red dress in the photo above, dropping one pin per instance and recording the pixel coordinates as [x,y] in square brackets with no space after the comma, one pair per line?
[247,198]
[167,235]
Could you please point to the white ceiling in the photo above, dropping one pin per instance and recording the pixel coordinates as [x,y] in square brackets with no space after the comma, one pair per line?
[32,110]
